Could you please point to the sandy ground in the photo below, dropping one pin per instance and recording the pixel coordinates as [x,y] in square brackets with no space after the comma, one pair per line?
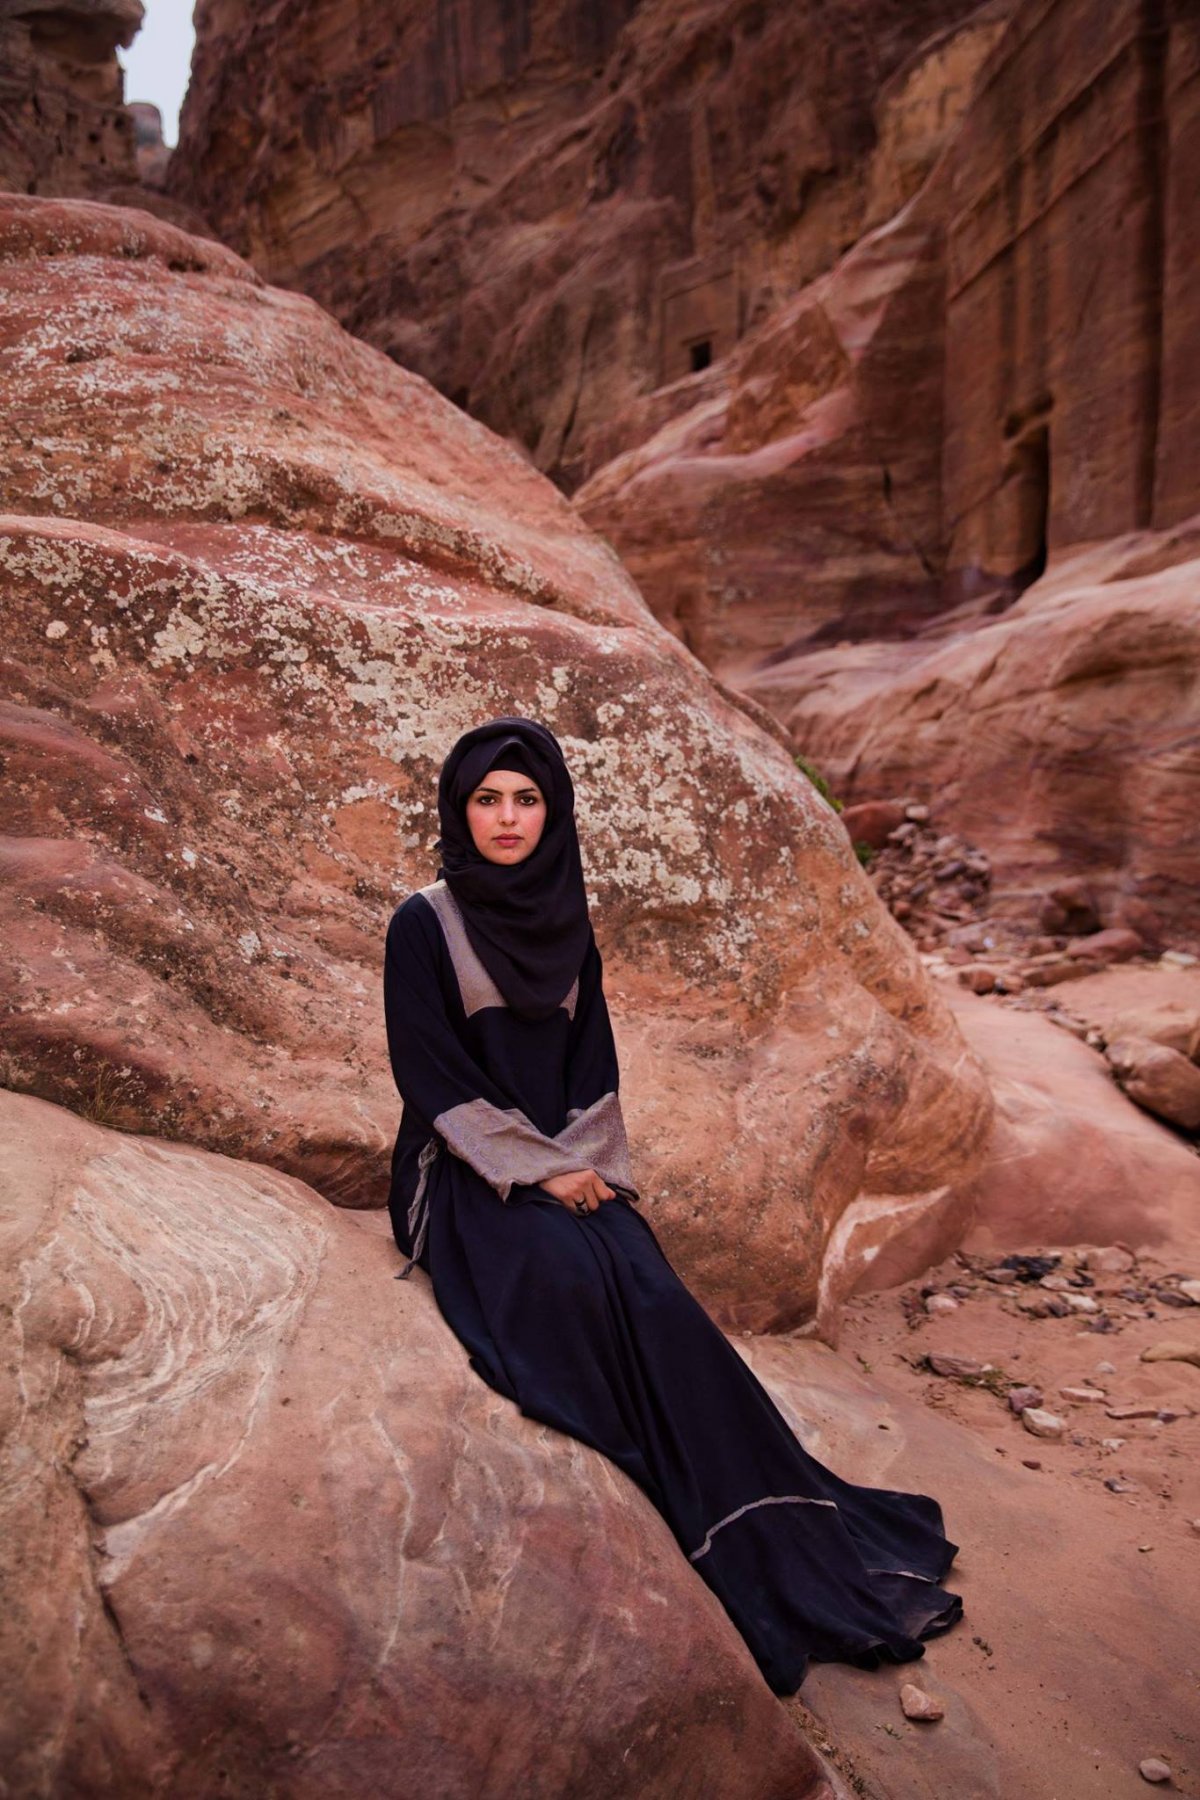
[1079,1563]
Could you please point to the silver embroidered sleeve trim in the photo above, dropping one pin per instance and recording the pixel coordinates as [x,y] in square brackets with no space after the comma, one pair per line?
[503,1147]
[767,1500]
[597,1134]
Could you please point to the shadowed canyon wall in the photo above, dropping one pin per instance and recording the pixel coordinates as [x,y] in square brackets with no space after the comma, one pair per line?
[552,209]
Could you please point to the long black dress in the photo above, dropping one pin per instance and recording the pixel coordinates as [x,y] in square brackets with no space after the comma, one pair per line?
[585,1325]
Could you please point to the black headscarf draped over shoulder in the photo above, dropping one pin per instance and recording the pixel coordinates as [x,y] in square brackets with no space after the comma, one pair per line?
[528,921]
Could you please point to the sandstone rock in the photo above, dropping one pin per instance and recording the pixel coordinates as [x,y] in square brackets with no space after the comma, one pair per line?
[1110,1259]
[262,581]
[943,1362]
[231,1471]
[1172,1350]
[1041,1423]
[915,1703]
[1158,1002]
[1084,1395]
[979,978]
[562,215]
[151,152]
[1117,944]
[940,1303]
[1190,1291]
[1158,1078]
[1081,1303]
[872,820]
[1021,1397]
[1072,1163]
[66,129]
[1154,1769]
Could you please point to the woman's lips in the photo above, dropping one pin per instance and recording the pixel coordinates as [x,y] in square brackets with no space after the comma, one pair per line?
[508,839]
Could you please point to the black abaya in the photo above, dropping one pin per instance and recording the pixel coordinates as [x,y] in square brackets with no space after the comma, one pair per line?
[583,1323]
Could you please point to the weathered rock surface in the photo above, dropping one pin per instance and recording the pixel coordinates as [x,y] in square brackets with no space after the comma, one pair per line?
[302,1548]
[261,581]
[561,212]
[63,124]
[1162,1080]
[1072,1162]
[1090,759]
[867,481]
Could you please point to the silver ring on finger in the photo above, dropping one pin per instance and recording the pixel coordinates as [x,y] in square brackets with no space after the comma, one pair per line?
[581,1207]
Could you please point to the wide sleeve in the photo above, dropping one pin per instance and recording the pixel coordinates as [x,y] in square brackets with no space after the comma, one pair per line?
[439,1078]
[595,1128]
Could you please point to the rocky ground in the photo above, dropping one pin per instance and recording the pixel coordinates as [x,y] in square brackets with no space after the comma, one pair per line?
[1050,1397]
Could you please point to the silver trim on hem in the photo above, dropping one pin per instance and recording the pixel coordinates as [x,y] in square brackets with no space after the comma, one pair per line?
[767,1500]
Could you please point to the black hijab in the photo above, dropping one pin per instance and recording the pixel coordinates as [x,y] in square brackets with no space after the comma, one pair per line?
[528,921]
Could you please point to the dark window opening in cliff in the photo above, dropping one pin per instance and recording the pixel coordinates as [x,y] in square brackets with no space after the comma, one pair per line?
[700,354]
[1031,512]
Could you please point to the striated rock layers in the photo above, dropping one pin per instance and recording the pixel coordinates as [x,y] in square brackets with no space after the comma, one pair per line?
[256,580]
[63,124]
[553,210]
[1063,735]
[336,1563]
[1004,371]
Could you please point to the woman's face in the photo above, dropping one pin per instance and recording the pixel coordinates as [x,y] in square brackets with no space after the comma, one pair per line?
[506,815]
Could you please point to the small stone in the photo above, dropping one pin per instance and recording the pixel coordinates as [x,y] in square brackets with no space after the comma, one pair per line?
[1136,1411]
[1117,944]
[1190,1291]
[940,1303]
[1153,1768]
[1111,1444]
[1021,1397]
[1032,1462]
[1057,1284]
[1116,1485]
[1041,1423]
[1172,1350]
[917,1704]
[1110,1259]
[1081,1303]
[941,1362]
[1195,1525]
[1083,1394]
[1106,1368]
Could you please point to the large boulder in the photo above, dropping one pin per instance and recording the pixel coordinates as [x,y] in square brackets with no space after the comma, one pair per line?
[256,581]
[264,1531]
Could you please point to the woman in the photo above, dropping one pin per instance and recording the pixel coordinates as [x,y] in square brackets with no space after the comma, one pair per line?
[511,1186]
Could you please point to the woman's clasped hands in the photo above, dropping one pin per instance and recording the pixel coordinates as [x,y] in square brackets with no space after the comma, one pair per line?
[581,1190]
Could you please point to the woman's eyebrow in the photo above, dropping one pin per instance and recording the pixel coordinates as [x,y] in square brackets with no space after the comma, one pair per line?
[484,789]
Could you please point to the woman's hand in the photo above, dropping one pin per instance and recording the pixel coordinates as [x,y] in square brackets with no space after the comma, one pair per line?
[580,1185]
